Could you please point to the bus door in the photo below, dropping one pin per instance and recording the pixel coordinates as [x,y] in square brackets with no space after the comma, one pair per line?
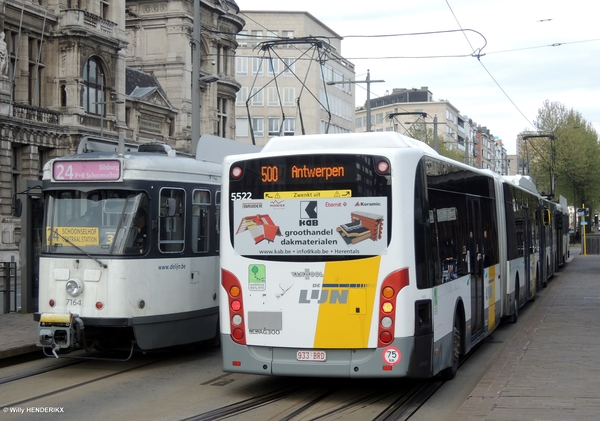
[527,252]
[542,276]
[475,263]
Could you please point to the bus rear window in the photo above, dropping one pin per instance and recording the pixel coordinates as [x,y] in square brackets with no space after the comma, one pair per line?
[310,207]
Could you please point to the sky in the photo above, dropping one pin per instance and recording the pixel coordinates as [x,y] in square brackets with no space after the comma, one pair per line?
[511,57]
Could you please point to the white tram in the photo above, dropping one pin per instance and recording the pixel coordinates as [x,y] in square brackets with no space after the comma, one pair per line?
[109,281]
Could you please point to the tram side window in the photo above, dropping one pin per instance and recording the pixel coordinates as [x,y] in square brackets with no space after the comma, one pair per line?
[171,221]
[201,221]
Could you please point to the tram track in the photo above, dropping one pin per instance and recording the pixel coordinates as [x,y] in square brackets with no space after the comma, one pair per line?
[35,372]
[54,379]
[369,399]
[305,402]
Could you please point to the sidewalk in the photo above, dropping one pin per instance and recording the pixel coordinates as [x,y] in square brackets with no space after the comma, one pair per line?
[18,334]
[551,368]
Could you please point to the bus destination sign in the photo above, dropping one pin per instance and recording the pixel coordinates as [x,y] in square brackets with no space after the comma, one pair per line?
[272,173]
[97,170]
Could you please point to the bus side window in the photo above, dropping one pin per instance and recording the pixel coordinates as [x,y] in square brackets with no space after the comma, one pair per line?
[200,221]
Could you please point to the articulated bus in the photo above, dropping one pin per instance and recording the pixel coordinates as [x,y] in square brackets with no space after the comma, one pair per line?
[367,255]
[560,231]
[525,237]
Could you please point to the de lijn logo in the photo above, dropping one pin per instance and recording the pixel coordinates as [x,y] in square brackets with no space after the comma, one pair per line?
[308,214]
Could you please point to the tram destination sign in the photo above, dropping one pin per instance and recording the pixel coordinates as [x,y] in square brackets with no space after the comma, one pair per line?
[86,170]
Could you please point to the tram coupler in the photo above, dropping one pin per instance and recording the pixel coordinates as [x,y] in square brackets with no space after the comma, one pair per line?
[60,331]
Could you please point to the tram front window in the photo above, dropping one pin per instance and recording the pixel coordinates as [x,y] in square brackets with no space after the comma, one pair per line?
[99,222]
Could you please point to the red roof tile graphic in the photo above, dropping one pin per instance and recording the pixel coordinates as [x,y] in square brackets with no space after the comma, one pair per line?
[261,227]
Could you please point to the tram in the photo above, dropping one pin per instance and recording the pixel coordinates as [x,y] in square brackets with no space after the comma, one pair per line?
[130,254]
[366,255]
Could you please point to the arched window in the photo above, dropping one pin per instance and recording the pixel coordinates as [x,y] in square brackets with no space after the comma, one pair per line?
[93,87]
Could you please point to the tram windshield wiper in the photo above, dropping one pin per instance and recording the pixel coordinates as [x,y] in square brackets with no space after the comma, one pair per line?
[101,263]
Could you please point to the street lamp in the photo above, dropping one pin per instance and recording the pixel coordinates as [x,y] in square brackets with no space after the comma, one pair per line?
[118,101]
[368,81]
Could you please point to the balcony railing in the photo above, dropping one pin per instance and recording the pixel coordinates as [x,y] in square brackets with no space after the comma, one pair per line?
[41,115]
[75,18]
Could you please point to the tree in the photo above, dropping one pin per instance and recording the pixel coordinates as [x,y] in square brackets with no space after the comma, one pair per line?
[565,150]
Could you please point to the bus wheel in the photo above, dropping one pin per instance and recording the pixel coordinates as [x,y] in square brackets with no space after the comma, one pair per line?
[449,372]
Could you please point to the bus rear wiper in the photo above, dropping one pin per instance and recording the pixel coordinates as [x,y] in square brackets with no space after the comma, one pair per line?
[102,264]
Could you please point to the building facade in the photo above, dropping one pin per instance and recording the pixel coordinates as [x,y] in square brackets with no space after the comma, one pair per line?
[159,42]
[485,149]
[71,69]
[283,70]
[413,112]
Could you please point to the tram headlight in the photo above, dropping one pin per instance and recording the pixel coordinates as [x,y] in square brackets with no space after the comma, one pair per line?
[74,287]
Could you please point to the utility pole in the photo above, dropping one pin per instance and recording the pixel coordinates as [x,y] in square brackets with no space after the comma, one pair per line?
[368,81]
[552,138]
[436,146]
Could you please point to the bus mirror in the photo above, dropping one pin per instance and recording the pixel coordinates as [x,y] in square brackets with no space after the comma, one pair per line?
[171,206]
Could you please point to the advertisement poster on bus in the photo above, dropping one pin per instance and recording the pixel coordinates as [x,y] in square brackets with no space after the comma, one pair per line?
[353,226]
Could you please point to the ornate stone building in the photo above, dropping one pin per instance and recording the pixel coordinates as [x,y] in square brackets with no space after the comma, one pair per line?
[159,37]
[77,68]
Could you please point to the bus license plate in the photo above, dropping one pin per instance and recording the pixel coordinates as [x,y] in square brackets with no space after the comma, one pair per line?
[311,356]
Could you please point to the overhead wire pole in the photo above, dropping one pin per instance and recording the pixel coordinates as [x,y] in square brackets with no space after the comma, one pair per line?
[368,81]
[390,116]
[422,114]
[552,138]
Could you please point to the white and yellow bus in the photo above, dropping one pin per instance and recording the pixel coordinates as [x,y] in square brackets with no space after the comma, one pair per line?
[361,255]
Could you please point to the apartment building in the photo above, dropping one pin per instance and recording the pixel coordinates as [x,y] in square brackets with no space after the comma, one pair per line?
[485,147]
[284,63]
[413,112]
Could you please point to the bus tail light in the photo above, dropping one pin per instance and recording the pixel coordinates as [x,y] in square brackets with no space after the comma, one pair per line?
[236,306]
[390,288]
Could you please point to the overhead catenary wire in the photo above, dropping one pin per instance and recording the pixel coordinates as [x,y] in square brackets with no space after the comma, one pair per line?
[488,72]
[476,51]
